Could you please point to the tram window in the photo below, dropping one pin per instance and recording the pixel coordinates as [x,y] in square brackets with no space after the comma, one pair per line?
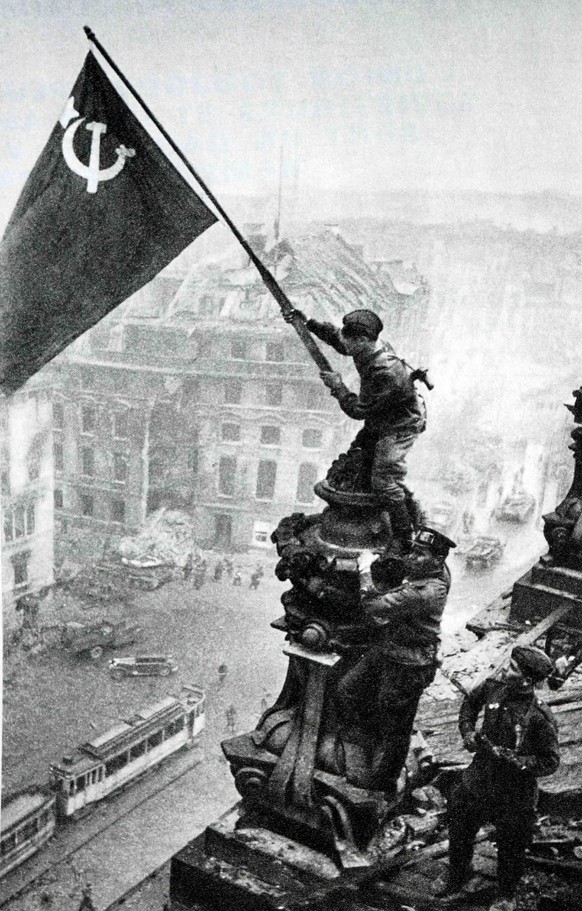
[154,740]
[8,844]
[93,776]
[80,783]
[116,763]
[174,728]
[138,749]
[71,788]
[28,830]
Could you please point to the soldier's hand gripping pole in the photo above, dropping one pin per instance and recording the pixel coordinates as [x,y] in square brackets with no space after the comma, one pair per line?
[292,316]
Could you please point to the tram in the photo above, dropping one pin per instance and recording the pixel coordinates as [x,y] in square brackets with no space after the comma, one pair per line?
[111,760]
[28,821]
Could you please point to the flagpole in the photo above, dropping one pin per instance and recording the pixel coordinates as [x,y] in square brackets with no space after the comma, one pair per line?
[269,279]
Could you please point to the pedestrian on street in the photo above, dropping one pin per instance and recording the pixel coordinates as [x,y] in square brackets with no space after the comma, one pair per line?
[255,579]
[388,403]
[517,744]
[237,578]
[228,565]
[222,672]
[218,570]
[87,900]
[200,576]
[385,685]
[188,567]
[230,719]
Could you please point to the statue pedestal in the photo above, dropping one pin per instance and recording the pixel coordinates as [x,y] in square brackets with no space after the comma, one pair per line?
[237,863]
[544,588]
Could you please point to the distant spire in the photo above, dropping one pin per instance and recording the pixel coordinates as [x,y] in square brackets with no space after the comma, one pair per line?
[278,218]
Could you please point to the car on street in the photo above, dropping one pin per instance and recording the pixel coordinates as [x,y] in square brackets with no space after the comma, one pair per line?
[485,551]
[142,666]
[91,639]
[516,508]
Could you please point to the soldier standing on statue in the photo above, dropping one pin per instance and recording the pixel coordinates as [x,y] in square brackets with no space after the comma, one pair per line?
[388,403]
[517,744]
[382,691]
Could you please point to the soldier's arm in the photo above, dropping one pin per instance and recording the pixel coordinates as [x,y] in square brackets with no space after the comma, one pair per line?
[471,705]
[382,393]
[546,758]
[381,609]
[407,600]
[328,333]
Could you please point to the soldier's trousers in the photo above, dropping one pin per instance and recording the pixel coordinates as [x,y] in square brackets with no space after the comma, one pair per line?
[513,834]
[386,459]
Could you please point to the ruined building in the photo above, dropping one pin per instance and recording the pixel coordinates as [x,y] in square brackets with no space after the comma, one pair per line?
[196,395]
[27,494]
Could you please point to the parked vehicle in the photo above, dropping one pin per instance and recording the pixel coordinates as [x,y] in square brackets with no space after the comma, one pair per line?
[112,759]
[147,575]
[28,821]
[485,552]
[80,638]
[464,544]
[142,666]
[517,507]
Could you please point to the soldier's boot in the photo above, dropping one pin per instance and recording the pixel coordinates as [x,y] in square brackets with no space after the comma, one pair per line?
[415,510]
[400,526]
[451,883]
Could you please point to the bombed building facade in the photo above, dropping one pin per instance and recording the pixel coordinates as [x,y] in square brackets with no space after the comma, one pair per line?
[27,494]
[196,395]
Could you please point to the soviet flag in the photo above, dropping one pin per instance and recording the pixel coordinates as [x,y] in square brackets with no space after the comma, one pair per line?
[102,212]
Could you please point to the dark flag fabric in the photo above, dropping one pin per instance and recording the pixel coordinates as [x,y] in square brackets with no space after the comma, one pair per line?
[102,212]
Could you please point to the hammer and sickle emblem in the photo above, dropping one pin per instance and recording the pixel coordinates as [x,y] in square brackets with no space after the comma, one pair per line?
[93,174]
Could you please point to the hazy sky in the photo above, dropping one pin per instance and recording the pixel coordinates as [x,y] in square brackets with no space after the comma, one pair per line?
[466,94]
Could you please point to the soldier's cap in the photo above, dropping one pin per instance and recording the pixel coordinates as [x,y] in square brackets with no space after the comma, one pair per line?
[532,662]
[362,321]
[438,543]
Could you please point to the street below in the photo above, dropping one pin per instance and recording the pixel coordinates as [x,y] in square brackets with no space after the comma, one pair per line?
[55,701]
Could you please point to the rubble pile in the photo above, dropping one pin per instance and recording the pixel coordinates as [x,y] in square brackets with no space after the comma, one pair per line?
[166,538]
[93,585]
[558,840]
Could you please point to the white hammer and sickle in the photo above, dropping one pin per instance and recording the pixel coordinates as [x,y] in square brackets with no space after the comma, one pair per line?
[91,172]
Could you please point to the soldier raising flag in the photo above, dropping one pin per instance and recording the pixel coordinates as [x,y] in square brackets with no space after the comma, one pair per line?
[102,212]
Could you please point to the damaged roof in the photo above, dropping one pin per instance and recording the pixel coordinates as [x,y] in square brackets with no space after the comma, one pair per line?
[319,268]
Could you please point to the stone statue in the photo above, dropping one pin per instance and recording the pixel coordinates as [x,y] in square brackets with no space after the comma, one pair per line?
[315,762]
[563,526]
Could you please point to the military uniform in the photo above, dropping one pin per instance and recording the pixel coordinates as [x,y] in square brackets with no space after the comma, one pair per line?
[388,680]
[498,789]
[387,403]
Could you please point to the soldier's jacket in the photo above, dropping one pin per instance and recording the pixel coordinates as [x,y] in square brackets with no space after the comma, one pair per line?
[408,617]
[388,400]
[524,724]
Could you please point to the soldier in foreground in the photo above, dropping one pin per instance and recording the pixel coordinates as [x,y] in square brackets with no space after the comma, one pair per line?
[386,684]
[388,403]
[516,745]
